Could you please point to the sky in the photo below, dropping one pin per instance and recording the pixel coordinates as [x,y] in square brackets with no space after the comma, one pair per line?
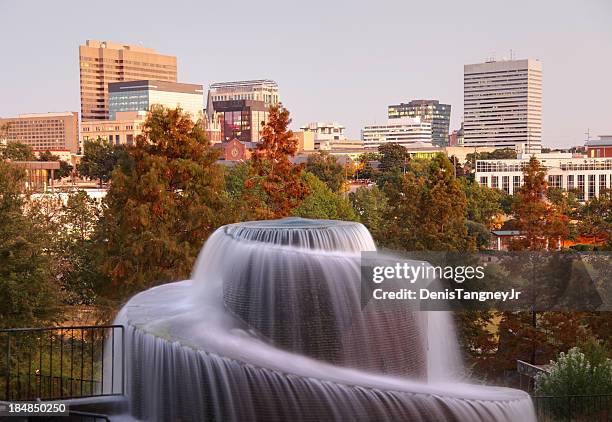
[342,61]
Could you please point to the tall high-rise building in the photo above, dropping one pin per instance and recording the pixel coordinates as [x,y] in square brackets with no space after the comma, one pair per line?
[44,131]
[141,95]
[102,62]
[503,104]
[239,108]
[429,111]
[406,131]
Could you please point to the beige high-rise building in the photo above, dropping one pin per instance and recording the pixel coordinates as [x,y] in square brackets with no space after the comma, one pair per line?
[103,62]
[502,104]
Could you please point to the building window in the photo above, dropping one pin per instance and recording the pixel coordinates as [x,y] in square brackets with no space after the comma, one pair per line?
[484,181]
[555,181]
[570,182]
[591,186]
[506,184]
[581,187]
[516,183]
[495,182]
[602,183]
[130,139]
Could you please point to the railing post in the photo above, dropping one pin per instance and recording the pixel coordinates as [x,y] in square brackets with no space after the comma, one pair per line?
[8,365]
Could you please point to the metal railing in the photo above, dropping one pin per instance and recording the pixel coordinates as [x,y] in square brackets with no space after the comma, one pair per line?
[592,408]
[61,362]
[73,416]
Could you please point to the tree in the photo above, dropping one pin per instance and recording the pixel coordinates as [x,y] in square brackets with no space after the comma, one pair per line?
[483,203]
[65,168]
[28,292]
[427,212]
[481,234]
[322,202]
[99,159]
[595,219]
[273,172]
[371,204]
[392,157]
[541,224]
[76,249]
[16,151]
[163,203]
[364,169]
[327,168]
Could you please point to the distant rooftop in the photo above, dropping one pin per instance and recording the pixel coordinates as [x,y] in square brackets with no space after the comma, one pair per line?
[155,85]
[237,84]
[42,115]
[117,46]
[603,141]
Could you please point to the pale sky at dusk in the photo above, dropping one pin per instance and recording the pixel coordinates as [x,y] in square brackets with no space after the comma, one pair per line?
[333,60]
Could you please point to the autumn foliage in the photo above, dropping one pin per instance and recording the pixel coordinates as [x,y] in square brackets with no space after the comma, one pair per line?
[273,172]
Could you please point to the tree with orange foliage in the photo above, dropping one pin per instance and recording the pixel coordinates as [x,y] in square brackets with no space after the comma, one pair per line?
[273,172]
[541,224]
[166,197]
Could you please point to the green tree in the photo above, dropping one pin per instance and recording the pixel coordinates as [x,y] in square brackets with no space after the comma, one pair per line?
[322,202]
[371,204]
[28,292]
[100,158]
[595,219]
[16,151]
[327,168]
[163,203]
[76,249]
[65,168]
[393,157]
[272,170]
[427,212]
[483,203]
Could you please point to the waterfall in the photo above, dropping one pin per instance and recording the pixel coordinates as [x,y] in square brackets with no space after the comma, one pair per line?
[271,328]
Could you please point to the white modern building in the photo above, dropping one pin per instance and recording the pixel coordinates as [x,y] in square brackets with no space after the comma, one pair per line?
[587,176]
[141,95]
[325,132]
[406,131]
[503,104]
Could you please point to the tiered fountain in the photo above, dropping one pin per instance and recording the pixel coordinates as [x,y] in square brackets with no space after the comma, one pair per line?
[271,328]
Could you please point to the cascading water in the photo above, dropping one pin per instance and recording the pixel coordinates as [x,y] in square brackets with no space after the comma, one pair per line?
[270,328]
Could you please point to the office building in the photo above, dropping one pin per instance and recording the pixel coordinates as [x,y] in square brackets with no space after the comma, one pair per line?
[264,90]
[601,147]
[240,108]
[44,131]
[103,62]
[503,104]
[325,131]
[141,95]
[588,177]
[429,111]
[123,130]
[406,131]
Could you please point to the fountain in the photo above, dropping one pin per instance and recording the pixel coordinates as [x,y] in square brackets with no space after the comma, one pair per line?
[270,328]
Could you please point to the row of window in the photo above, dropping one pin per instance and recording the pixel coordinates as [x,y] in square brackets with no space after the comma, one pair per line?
[572,182]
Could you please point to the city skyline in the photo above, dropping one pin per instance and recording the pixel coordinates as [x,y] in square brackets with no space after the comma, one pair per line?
[328,65]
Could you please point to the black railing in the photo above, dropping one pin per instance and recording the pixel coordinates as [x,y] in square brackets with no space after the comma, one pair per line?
[593,408]
[61,362]
[72,417]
